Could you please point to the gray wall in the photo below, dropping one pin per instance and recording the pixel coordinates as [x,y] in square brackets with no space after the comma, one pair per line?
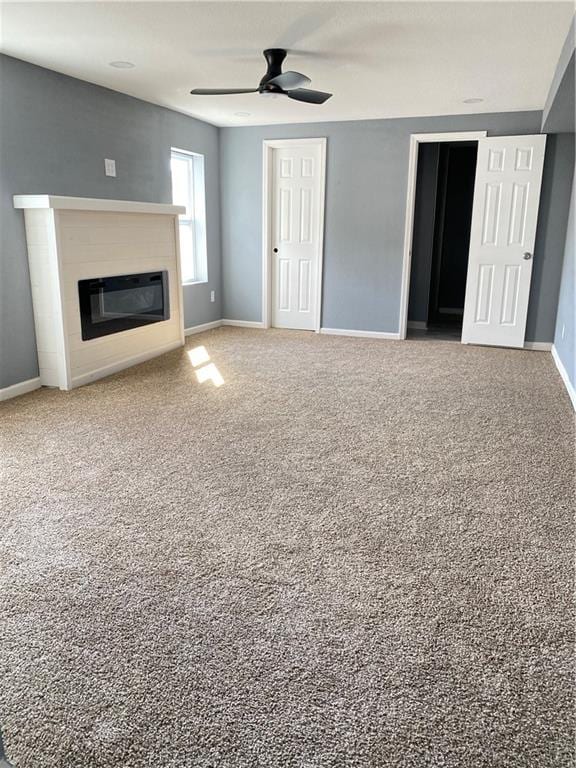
[559,112]
[55,132]
[550,237]
[565,336]
[367,170]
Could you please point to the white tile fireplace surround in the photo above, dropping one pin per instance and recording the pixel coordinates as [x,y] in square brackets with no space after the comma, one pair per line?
[72,239]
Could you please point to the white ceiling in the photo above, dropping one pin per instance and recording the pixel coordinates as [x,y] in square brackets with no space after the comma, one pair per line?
[378,59]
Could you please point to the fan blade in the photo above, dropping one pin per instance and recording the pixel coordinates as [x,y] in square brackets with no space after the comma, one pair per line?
[288,81]
[311,97]
[221,91]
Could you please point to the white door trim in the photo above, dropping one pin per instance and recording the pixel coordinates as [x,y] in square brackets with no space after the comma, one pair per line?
[268,145]
[415,140]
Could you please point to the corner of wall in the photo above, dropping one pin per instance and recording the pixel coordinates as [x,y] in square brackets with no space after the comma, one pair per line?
[559,108]
[221,288]
[564,349]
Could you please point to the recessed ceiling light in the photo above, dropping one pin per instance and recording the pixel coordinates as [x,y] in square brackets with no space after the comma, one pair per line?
[474,100]
[242,114]
[122,64]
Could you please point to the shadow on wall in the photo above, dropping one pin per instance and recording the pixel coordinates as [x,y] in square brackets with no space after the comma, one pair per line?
[550,235]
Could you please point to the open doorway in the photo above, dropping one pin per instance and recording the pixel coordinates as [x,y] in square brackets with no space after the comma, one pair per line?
[441,238]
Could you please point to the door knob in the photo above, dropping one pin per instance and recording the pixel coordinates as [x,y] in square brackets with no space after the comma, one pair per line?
[275,250]
[527,255]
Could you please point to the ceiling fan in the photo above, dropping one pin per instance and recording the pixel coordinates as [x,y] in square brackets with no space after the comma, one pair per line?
[274,83]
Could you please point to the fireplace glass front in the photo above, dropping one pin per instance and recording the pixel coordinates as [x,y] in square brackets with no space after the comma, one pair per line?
[118,303]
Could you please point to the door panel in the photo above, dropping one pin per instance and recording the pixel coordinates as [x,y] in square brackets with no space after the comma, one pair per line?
[297,200]
[304,297]
[285,214]
[283,285]
[305,215]
[509,309]
[491,214]
[484,293]
[504,216]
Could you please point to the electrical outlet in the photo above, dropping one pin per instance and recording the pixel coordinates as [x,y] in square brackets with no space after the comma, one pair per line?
[212,296]
[110,167]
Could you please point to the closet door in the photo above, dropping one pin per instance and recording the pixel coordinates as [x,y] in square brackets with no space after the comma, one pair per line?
[504,215]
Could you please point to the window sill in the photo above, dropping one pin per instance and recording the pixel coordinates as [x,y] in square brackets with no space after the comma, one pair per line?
[195,282]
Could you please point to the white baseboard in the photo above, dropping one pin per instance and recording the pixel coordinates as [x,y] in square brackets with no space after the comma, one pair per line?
[20,389]
[360,334]
[538,346]
[570,388]
[201,328]
[243,323]
[220,323]
[108,370]
[420,325]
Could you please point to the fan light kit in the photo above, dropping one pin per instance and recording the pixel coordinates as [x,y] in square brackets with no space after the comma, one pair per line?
[274,83]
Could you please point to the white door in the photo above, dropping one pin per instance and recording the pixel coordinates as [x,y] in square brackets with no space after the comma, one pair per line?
[504,214]
[297,206]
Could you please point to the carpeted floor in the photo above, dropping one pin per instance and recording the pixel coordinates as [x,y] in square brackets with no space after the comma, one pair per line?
[352,554]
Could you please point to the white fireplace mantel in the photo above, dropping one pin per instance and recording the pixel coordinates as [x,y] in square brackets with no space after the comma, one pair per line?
[93,204]
[78,238]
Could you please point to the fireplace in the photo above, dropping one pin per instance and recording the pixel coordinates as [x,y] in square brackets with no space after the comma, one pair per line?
[106,284]
[121,302]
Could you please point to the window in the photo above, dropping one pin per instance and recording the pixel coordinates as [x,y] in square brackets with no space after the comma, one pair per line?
[188,190]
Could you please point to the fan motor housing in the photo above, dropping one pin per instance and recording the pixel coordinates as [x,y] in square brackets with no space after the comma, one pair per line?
[274,58]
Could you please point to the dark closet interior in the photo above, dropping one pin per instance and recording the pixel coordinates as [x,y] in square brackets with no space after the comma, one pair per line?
[441,237]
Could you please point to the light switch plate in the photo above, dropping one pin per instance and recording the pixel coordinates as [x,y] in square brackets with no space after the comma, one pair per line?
[212,296]
[110,167]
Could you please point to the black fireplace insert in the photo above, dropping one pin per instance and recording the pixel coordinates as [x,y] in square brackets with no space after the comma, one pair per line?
[118,303]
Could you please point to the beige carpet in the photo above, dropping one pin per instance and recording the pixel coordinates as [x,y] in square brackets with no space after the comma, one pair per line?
[351,554]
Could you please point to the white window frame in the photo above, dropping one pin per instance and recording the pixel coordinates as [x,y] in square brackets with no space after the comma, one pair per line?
[197,221]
